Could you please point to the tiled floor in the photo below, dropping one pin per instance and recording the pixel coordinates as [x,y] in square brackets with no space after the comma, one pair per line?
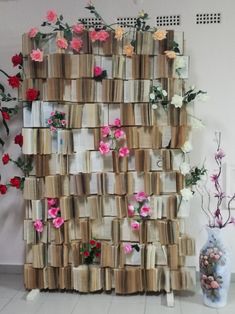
[12,301]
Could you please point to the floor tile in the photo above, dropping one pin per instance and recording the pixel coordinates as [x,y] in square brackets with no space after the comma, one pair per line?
[129,298]
[58,304]
[3,302]
[127,307]
[84,307]
[18,306]
[162,308]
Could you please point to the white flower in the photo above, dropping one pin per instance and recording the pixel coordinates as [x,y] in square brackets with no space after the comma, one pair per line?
[187,147]
[187,194]
[197,123]
[164,93]
[177,101]
[152,96]
[184,168]
[154,106]
[180,63]
[202,97]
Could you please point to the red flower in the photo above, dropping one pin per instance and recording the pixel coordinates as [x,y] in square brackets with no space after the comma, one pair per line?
[3,189]
[19,139]
[32,94]
[15,182]
[92,242]
[14,81]
[5,159]
[17,59]
[98,245]
[97,254]
[86,253]
[5,115]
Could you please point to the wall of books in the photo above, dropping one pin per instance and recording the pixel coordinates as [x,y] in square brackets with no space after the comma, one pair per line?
[102,203]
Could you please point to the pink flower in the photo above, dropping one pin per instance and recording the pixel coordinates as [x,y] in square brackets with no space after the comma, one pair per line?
[104,148]
[53,212]
[145,211]
[217,256]
[51,201]
[135,225]
[76,44]
[98,71]
[128,248]
[214,284]
[131,210]
[38,225]
[214,177]
[123,152]
[52,128]
[219,154]
[58,222]
[33,32]
[117,122]
[93,35]
[78,28]
[37,55]
[103,35]
[62,43]
[63,122]
[51,16]
[49,121]
[119,133]
[105,131]
[141,196]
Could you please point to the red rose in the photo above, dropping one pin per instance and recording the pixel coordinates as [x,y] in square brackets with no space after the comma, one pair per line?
[92,242]
[5,159]
[14,81]
[5,115]
[86,253]
[97,254]
[19,140]
[15,182]
[98,245]
[32,94]
[17,59]
[3,189]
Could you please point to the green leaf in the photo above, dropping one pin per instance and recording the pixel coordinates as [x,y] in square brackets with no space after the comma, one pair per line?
[2,88]
[2,142]
[6,126]
[61,17]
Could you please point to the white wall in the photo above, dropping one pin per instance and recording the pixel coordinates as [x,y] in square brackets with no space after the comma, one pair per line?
[211,48]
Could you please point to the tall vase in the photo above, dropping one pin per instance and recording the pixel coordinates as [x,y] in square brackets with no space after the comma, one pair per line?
[215,269]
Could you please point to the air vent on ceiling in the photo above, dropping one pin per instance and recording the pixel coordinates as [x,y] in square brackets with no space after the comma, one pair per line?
[168,20]
[208,18]
[91,22]
[126,21]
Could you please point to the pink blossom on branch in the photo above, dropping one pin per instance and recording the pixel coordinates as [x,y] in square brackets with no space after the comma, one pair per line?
[119,134]
[51,16]
[105,131]
[58,222]
[141,196]
[135,225]
[219,154]
[145,211]
[38,225]
[33,32]
[128,248]
[53,212]
[51,201]
[123,152]
[62,43]
[37,55]
[97,71]
[117,122]
[104,148]
[131,210]
[78,28]
[76,44]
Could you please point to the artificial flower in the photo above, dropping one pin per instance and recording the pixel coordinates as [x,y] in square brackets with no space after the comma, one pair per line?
[119,31]
[15,182]
[17,59]
[5,115]
[37,55]
[170,54]
[154,106]
[98,245]
[185,168]
[104,148]
[86,253]
[177,101]
[103,35]
[180,62]
[141,13]
[78,28]
[63,122]
[32,94]
[128,50]
[93,35]
[97,254]
[128,248]
[33,32]
[38,225]
[58,222]
[159,34]
[145,211]
[105,131]
[92,242]
[187,194]
[98,71]
[164,93]
[214,177]
[49,121]
[53,212]
[52,128]
[141,196]
[14,81]
[62,43]
[135,225]
[131,210]
[76,44]
[119,133]
[187,147]
[219,154]
[123,151]
[117,122]
[152,96]
[51,16]
[3,189]
[214,284]
[5,159]
[51,201]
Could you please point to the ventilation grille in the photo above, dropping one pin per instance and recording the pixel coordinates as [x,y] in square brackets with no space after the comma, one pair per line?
[91,22]
[208,18]
[168,20]
[126,21]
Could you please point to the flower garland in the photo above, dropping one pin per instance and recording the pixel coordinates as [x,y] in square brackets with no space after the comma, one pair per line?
[91,251]
[56,120]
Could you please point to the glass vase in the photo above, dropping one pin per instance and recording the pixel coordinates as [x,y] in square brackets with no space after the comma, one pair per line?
[215,269]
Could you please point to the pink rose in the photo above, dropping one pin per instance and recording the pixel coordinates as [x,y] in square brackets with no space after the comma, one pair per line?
[105,131]
[104,148]
[78,28]
[62,43]
[98,71]
[49,121]
[128,248]
[103,35]
[123,151]
[33,32]
[135,225]
[145,211]
[58,222]
[53,212]
[52,128]
[214,284]
[63,122]
[119,133]
[117,122]
[76,44]
[93,35]
[217,256]
[51,16]
[141,196]
[131,210]
[38,225]
[37,55]
[51,201]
